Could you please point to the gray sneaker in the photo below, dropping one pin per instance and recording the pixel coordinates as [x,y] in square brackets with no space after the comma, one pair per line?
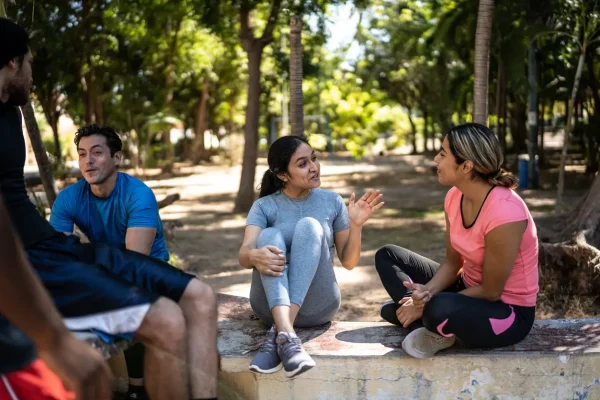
[267,361]
[294,358]
[422,343]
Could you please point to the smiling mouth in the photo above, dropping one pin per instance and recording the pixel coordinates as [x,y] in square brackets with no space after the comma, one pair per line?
[315,177]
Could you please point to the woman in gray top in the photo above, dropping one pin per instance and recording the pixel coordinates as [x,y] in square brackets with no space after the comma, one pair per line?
[289,241]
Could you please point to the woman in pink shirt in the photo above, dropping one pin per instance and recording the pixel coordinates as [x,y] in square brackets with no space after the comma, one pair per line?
[484,292]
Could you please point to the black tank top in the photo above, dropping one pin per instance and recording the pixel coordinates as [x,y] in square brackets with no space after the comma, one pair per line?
[30,225]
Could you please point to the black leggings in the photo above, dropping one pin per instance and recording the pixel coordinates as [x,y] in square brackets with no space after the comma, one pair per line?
[476,322]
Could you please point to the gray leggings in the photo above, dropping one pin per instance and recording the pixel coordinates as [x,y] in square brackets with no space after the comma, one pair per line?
[308,280]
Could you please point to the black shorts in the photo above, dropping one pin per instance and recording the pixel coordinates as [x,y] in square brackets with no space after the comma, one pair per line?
[99,286]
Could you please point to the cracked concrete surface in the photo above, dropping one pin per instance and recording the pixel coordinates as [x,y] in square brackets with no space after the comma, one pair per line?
[363,360]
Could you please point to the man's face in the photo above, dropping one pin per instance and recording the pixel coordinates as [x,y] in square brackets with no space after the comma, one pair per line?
[95,161]
[19,85]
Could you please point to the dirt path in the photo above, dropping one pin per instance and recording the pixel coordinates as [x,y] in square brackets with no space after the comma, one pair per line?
[412,217]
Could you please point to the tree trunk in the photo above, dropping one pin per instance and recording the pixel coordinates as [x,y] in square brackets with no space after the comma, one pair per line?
[568,127]
[428,146]
[199,152]
[254,49]
[518,124]
[573,263]
[483,36]
[414,132]
[532,116]
[41,157]
[541,131]
[296,95]
[501,106]
[57,149]
[245,196]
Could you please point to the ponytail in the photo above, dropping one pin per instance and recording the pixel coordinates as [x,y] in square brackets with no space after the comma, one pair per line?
[505,179]
[270,184]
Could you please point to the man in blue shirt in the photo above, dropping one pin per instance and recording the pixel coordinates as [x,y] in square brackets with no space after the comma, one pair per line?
[111,207]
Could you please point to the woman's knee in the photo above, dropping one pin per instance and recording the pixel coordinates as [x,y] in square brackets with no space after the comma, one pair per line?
[271,237]
[437,310]
[388,255]
[308,225]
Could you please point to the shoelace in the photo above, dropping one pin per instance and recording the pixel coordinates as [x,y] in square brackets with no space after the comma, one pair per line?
[291,346]
[438,339]
[269,345]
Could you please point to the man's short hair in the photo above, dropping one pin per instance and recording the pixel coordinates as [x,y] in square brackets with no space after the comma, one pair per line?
[113,141]
[14,42]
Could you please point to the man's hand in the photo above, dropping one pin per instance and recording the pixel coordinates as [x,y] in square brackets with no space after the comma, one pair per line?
[81,368]
[420,294]
[268,260]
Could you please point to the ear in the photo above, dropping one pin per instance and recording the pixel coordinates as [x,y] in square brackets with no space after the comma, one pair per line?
[12,65]
[467,166]
[118,157]
[283,176]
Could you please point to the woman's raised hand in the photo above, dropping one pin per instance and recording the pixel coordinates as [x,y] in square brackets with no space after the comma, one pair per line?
[360,211]
[268,260]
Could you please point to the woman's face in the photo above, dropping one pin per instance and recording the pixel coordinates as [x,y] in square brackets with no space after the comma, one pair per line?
[448,171]
[304,170]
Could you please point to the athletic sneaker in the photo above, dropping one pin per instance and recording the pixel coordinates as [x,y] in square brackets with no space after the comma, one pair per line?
[422,343]
[388,312]
[293,356]
[267,361]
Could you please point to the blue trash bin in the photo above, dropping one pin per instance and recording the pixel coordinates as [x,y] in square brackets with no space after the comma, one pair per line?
[523,167]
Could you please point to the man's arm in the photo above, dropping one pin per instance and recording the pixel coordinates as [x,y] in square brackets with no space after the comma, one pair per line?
[140,239]
[143,221]
[24,301]
[61,216]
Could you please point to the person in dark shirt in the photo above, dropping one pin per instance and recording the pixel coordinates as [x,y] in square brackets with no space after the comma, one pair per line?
[99,286]
[24,301]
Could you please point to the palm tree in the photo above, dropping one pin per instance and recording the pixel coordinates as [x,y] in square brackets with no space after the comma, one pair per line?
[296,95]
[483,35]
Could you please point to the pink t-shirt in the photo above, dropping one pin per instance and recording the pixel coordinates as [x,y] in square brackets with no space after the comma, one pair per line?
[502,206]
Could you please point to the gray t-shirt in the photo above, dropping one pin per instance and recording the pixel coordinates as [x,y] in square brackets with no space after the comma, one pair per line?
[282,212]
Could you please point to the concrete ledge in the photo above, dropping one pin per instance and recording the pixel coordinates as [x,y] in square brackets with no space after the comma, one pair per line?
[560,359]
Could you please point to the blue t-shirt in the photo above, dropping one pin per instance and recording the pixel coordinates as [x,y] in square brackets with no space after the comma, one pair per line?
[131,204]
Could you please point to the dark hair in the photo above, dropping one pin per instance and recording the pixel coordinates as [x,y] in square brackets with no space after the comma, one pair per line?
[280,154]
[478,144]
[14,42]
[113,141]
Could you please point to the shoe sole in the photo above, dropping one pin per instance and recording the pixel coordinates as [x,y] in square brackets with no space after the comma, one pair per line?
[413,353]
[303,367]
[255,368]
[417,354]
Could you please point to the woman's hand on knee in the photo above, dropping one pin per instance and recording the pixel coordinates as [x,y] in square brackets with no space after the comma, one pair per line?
[268,260]
[420,294]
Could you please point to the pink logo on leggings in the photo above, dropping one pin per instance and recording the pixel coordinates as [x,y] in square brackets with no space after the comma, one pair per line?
[500,326]
[441,326]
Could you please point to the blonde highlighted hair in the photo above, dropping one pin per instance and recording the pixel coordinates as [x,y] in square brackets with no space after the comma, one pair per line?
[478,144]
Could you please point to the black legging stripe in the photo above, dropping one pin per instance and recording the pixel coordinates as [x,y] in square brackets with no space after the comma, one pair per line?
[476,322]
